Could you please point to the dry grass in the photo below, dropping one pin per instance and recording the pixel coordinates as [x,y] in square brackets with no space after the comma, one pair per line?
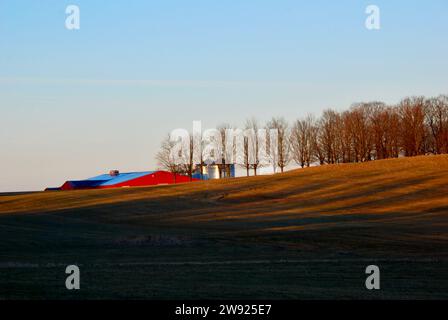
[303,234]
[390,190]
[409,192]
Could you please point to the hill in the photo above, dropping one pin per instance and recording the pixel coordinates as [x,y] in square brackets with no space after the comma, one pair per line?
[303,234]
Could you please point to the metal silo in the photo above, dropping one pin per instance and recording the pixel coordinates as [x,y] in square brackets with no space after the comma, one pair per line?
[213,171]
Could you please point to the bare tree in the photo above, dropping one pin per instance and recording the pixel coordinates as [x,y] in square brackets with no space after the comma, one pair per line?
[317,142]
[242,143]
[253,126]
[385,128]
[436,117]
[283,154]
[188,166]
[367,131]
[359,128]
[301,141]
[227,132]
[413,131]
[165,158]
[246,149]
[329,127]
[222,130]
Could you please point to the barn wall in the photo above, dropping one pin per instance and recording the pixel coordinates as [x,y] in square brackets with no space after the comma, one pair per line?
[151,179]
[67,186]
[155,178]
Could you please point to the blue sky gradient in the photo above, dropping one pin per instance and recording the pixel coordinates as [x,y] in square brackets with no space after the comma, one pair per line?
[77,103]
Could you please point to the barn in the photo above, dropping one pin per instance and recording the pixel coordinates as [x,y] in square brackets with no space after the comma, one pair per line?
[115,179]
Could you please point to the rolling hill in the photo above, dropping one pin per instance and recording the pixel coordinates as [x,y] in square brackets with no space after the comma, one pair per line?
[303,234]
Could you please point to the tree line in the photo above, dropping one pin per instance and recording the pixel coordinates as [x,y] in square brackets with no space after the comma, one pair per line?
[365,132]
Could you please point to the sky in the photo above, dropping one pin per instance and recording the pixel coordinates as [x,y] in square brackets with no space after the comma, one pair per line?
[77,103]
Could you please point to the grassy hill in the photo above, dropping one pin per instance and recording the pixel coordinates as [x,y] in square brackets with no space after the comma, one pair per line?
[303,234]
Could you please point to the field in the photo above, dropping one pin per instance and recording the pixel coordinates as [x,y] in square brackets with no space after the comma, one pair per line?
[305,234]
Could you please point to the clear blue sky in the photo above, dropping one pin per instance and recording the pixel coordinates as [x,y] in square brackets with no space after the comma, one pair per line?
[77,103]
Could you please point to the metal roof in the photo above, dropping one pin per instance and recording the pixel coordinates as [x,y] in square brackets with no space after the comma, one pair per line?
[86,183]
[108,180]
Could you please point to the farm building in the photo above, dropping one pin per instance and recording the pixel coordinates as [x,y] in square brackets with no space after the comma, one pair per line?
[115,179]
[214,171]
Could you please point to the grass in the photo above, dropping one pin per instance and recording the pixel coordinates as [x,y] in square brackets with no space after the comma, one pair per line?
[305,234]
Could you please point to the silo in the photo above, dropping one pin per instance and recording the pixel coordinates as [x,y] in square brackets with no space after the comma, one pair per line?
[213,171]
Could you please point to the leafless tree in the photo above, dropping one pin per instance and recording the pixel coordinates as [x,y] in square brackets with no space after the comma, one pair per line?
[385,129]
[412,124]
[242,141]
[253,126]
[189,165]
[246,149]
[228,148]
[283,154]
[436,117]
[359,128]
[330,129]
[317,139]
[302,141]
[166,160]
[367,131]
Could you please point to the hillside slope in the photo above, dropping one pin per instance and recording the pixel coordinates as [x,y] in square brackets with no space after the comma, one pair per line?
[404,175]
[248,237]
[392,190]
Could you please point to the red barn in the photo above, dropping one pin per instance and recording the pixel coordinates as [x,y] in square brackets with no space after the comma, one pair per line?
[116,179]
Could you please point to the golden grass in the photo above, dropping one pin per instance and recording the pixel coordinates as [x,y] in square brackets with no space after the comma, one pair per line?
[391,191]
[313,230]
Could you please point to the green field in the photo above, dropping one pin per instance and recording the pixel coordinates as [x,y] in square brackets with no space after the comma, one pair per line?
[305,234]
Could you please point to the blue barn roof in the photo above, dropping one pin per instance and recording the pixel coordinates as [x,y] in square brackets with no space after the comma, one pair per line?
[104,180]
[108,180]
[86,183]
